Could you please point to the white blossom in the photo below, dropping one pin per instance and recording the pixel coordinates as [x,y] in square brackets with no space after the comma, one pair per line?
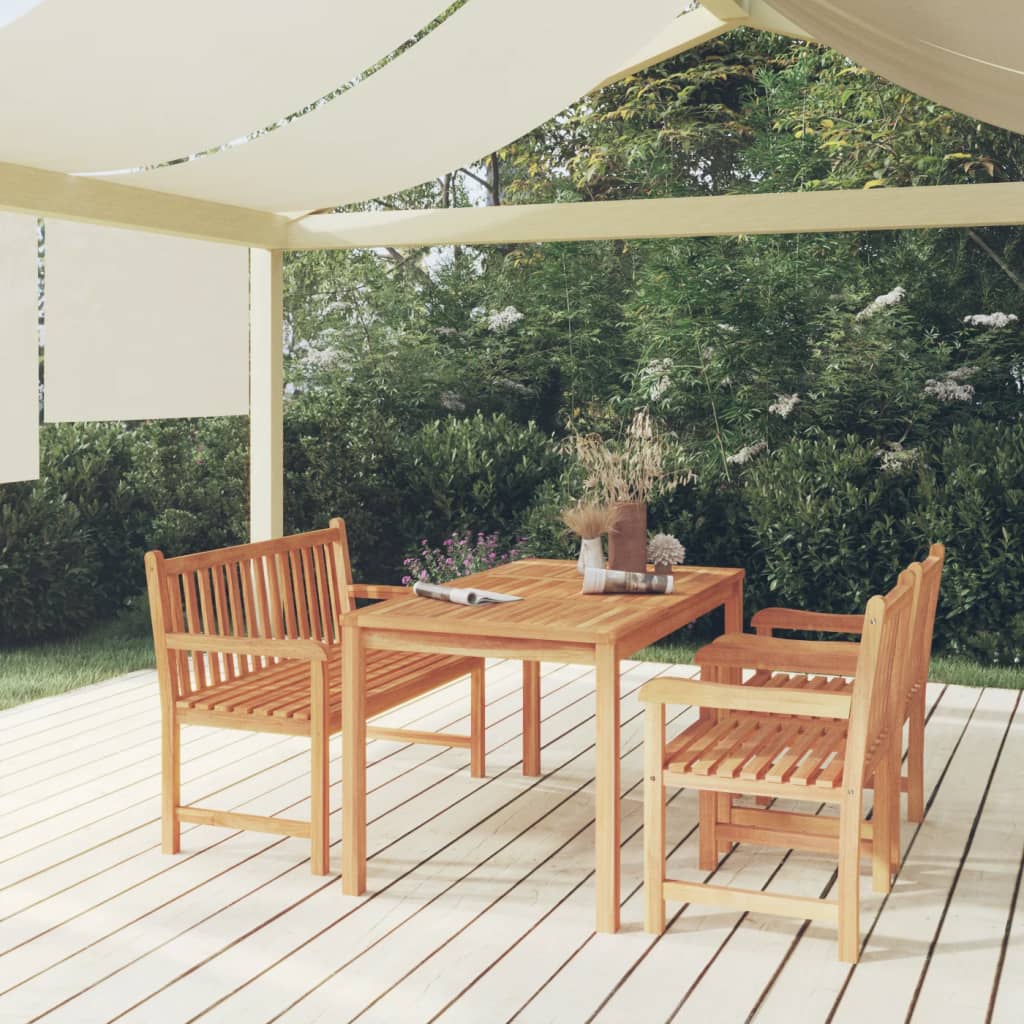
[513,385]
[446,332]
[898,459]
[880,302]
[747,452]
[319,358]
[961,373]
[727,328]
[948,388]
[657,377]
[784,405]
[991,319]
[503,319]
[452,402]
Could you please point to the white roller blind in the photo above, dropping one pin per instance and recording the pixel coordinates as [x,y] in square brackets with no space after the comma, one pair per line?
[19,350]
[142,326]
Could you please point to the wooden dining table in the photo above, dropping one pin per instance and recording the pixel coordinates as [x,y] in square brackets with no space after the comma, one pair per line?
[554,621]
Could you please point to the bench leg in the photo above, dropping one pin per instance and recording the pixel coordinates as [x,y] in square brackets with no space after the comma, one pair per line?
[531,718]
[170,738]
[478,723]
[319,774]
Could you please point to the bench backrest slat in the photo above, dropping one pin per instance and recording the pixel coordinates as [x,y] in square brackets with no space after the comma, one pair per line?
[288,588]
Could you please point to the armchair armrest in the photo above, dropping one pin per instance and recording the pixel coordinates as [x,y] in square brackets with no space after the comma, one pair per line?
[745,650]
[791,618]
[773,700]
[377,591]
[302,650]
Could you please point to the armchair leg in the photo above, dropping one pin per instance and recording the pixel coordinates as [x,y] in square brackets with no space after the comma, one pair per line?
[724,817]
[915,758]
[881,825]
[478,723]
[849,879]
[708,803]
[170,741]
[654,818]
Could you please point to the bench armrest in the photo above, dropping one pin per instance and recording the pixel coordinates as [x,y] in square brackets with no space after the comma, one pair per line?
[730,697]
[791,618]
[302,650]
[745,650]
[377,591]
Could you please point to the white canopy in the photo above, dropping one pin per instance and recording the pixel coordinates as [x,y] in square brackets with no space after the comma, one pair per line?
[488,75]
[101,85]
[107,85]
[966,56]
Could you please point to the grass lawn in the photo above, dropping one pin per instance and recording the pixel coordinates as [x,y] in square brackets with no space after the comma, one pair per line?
[125,644]
[103,651]
[961,671]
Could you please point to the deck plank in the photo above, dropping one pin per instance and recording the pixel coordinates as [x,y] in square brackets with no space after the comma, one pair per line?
[481,901]
[911,915]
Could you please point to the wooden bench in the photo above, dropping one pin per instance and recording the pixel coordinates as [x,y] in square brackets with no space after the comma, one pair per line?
[249,637]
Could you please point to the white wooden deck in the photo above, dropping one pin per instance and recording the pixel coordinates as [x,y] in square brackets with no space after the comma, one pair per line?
[480,906]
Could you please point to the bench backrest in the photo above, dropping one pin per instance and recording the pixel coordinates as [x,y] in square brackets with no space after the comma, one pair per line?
[287,588]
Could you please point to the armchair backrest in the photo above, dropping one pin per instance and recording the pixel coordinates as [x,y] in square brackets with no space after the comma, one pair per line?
[924,615]
[883,663]
[288,588]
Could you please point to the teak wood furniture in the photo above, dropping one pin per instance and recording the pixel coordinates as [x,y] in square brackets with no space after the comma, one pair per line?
[248,637]
[815,665]
[554,621]
[818,745]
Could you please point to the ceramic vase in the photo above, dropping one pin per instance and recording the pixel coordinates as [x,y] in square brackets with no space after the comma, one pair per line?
[591,555]
[627,540]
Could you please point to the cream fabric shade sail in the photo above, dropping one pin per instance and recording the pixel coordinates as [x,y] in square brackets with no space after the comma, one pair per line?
[969,57]
[101,85]
[491,73]
[142,326]
[19,350]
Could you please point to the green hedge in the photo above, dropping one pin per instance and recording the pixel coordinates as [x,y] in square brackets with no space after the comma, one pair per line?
[816,523]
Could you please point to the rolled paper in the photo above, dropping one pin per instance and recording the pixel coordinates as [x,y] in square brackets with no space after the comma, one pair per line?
[613,581]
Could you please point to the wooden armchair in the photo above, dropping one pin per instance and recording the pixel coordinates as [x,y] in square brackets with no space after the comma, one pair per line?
[248,637]
[802,664]
[805,744]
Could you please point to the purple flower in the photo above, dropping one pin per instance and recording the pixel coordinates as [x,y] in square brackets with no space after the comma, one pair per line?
[423,574]
[449,561]
[406,580]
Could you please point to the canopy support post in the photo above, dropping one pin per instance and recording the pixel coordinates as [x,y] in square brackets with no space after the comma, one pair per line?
[266,394]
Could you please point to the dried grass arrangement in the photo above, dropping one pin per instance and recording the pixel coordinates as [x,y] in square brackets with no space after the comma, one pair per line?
[589,519]
[644,464]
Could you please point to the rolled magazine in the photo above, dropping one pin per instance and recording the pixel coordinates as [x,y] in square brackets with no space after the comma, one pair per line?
[614,581]
[461,595]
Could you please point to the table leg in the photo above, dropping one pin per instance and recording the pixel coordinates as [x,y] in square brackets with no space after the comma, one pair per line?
[733,624]
[606,818]
[531,718]
[353,763]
